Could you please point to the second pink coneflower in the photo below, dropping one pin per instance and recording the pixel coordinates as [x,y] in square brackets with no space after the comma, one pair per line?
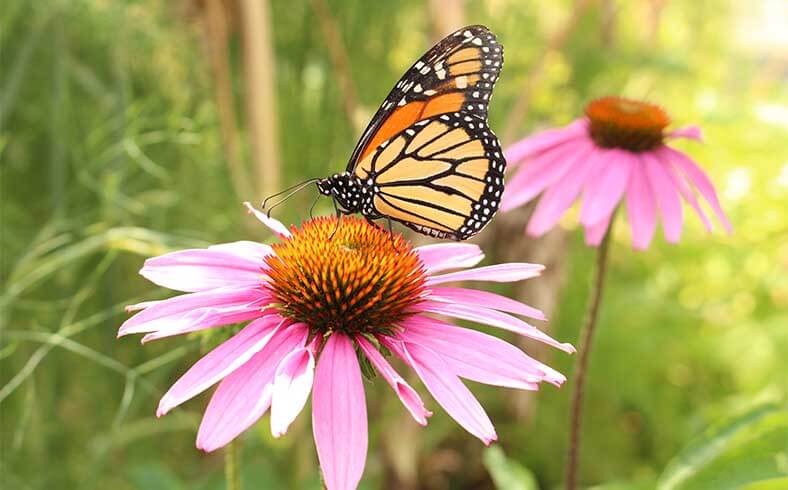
[617,152]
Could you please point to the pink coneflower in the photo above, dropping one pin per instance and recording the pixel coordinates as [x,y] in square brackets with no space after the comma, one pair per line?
[321,304]
[617,151]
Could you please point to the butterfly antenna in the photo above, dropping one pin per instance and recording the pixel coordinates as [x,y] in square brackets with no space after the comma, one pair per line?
[298,187]
[288,196]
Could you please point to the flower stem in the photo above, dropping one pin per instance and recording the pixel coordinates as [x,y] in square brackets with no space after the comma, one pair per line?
[586,340]
[232,467]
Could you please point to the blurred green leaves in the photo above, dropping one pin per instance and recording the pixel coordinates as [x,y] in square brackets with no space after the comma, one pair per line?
[507,474]
[749,451]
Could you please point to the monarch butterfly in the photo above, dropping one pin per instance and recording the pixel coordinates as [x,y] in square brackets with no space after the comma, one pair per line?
[428,159]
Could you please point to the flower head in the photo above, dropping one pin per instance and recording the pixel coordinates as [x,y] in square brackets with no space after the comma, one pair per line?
[617,151]
[324,298]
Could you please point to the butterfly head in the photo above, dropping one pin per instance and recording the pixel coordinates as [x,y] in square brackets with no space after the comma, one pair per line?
[346,189]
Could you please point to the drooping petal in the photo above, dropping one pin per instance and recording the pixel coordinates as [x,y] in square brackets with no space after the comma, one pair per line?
[689,132]
[596,232]
[542,172]
[701,181]
[220,362]
[196,311]
[446,388]
[245,395]
[667,197]
[605,187]
[275,225]
[444,256]
[680,182]
[407,395]
[202,269]
[484,299]
[544,140]
[339,414]
[477,356]
[495,319]
[292,384]
[558,198]
[641,209]
[511,272]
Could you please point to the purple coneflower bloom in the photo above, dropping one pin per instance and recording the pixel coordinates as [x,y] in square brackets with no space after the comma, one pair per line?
[616,152]
[318,305]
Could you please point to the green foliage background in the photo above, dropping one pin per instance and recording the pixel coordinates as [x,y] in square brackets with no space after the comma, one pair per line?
[111,152]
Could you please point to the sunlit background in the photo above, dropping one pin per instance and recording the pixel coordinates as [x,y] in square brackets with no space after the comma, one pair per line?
[130,128]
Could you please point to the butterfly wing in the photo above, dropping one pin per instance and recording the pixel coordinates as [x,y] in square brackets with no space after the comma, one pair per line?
[456,75]
[443,176]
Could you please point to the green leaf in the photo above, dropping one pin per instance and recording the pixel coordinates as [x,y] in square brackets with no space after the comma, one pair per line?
[506,473]
[748,451]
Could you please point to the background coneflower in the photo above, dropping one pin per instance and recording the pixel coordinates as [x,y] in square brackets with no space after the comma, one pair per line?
[617,151]
[324,299]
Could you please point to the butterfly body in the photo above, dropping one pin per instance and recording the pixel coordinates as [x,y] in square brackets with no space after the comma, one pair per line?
[428,159]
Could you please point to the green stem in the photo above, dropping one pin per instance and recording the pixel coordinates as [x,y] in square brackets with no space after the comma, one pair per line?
[232,466]
[586,340]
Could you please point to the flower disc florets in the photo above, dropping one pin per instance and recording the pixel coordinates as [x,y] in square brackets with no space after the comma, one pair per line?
[360,280]
[628,124]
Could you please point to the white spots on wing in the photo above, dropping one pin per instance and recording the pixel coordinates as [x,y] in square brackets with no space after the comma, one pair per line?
[402,102]
[425,70]
[419,65]
[475,94]
[417,88]
[485,49]
[477,41]
[461,82]
[441,74]
[430,92]
[444,117]
[467,33]
[410,132]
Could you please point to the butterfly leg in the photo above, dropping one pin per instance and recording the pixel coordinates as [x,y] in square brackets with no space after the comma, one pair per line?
[339,218]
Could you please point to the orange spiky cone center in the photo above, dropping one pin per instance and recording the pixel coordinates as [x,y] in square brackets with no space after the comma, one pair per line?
[353,277]
[616,122]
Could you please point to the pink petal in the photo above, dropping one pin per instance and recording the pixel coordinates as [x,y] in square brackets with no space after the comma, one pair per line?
[558,198]
[541,173]
[484,299]
[446,388]
[406,394]
[245,395]
[246,249]
[478,356]
[201,270]
[700,180]
[544,140]
[443,256]
[641,209]
[195,311]
[689,132]
[595,233]
[605,187]
[494,319]
[667,197]
[684,189]
[292,384]
[220,362]
[339,414]
[275,225]
[511,272]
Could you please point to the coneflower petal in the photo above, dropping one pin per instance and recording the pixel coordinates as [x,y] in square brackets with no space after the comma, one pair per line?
[339,414]
[667,198]
[292,384]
